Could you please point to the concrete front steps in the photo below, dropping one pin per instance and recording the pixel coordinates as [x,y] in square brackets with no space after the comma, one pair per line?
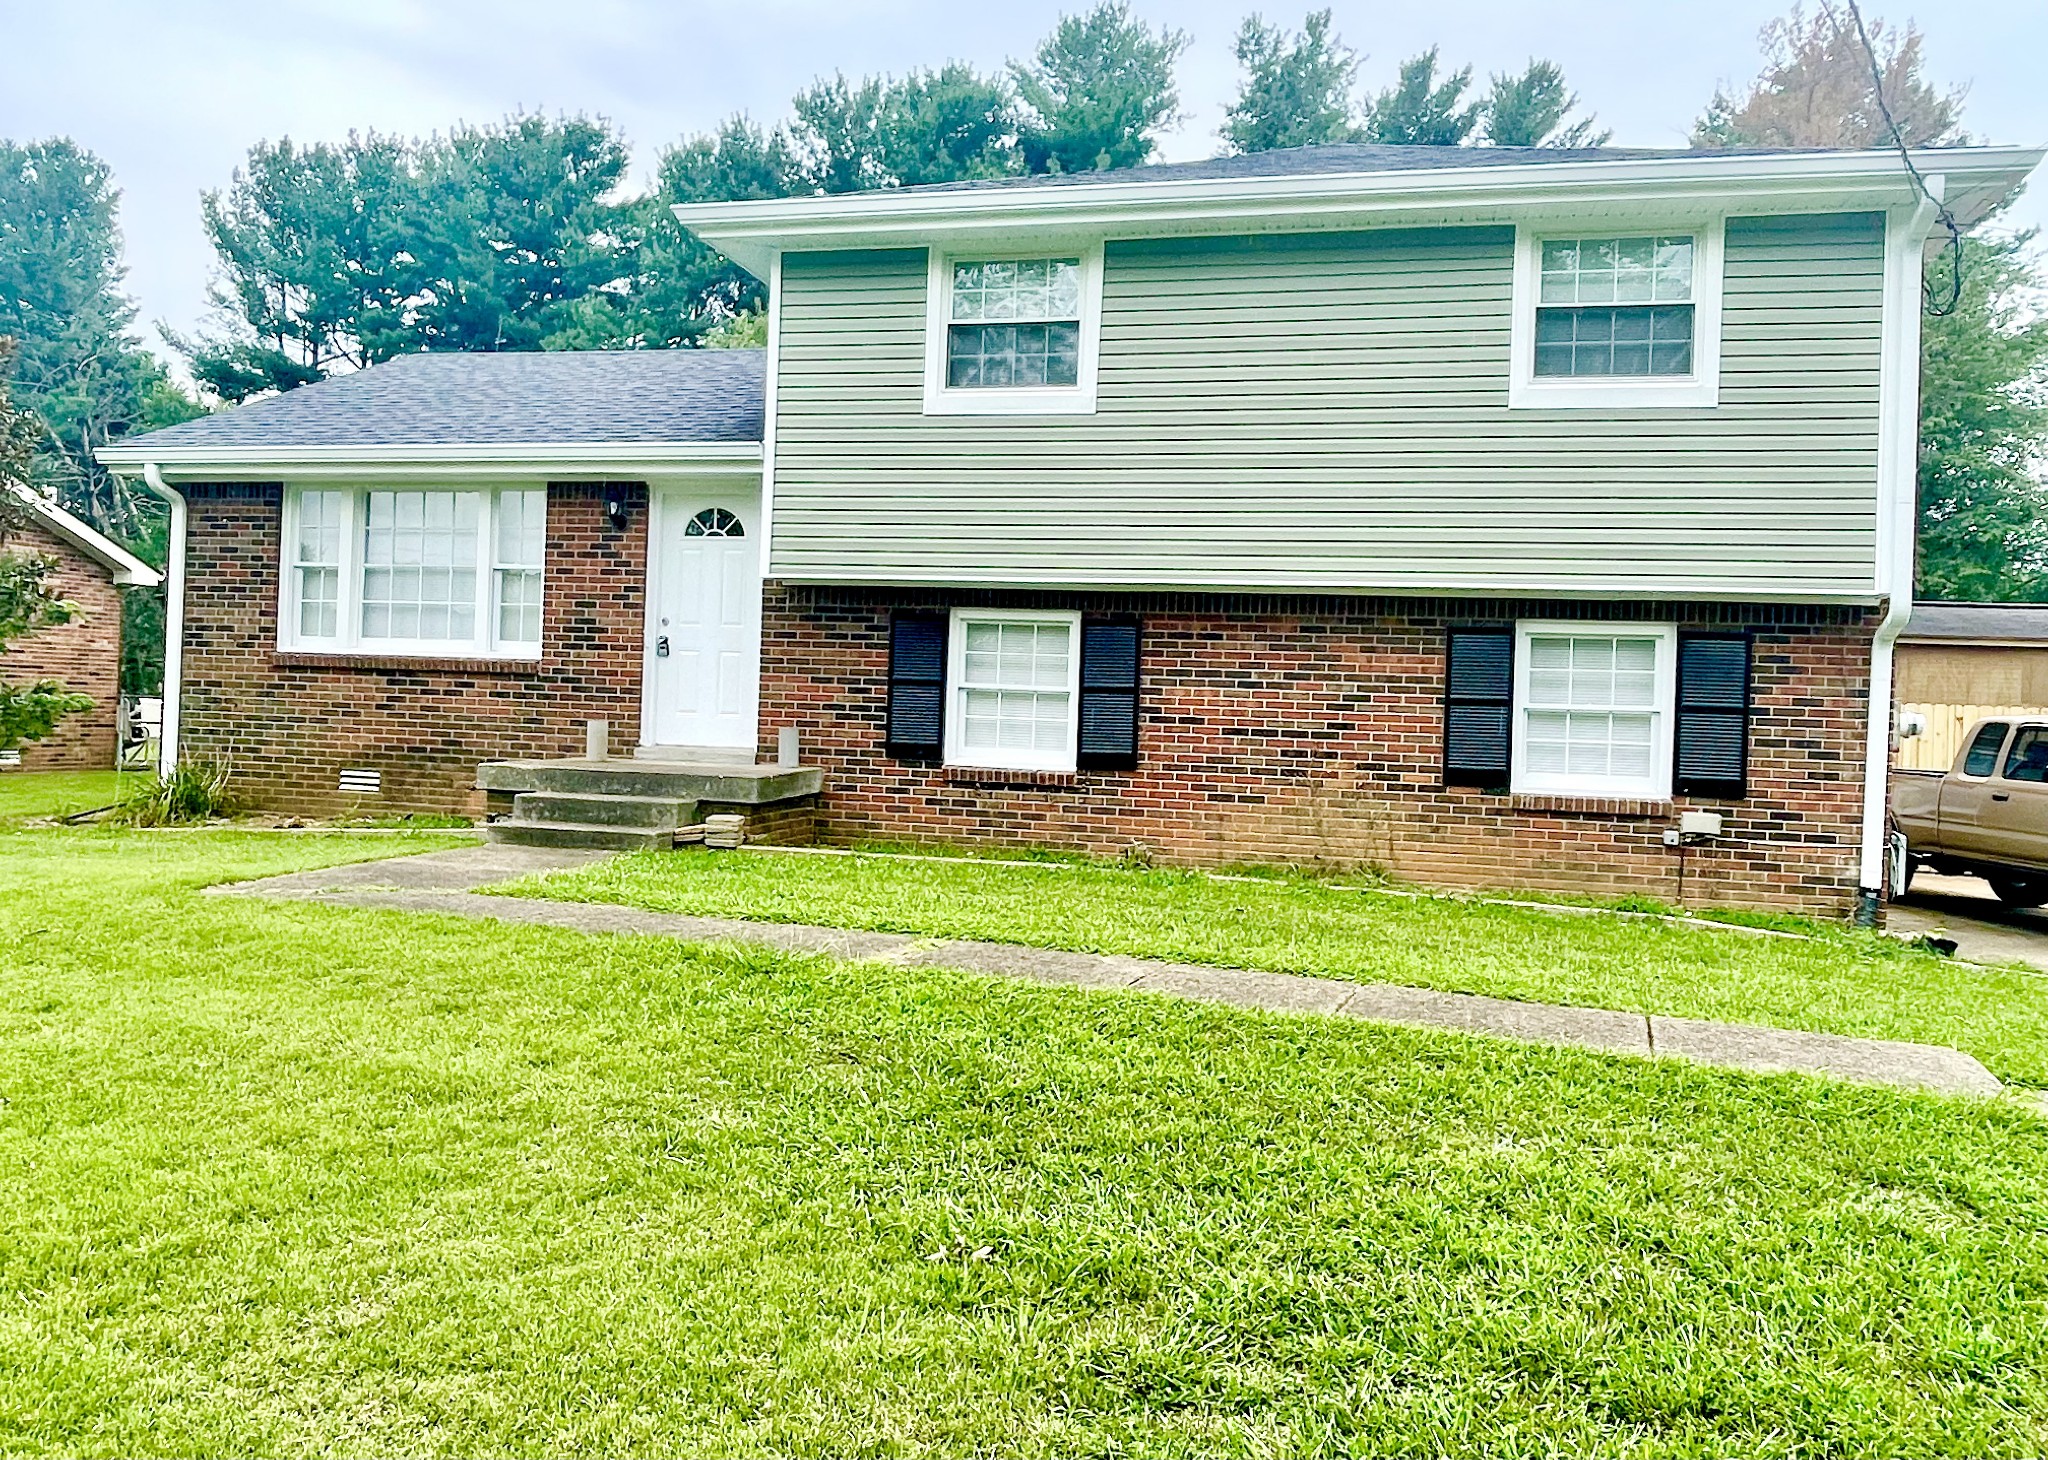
[631,805]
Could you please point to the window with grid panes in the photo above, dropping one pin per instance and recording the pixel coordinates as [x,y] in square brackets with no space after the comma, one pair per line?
[1014,322]
[1615,307]
[1594,711]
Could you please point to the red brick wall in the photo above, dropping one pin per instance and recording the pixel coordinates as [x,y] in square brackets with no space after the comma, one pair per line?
[85,653]
[1309,732]
[288,724]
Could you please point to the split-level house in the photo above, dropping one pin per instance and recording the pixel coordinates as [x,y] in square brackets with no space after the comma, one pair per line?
[1496,517]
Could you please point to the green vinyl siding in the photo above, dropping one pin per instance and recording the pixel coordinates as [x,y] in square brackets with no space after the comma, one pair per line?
[1330,412]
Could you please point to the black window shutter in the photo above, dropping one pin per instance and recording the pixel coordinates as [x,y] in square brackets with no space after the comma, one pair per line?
[1479,703]
[1713,716]
[1109,694]
[917,687]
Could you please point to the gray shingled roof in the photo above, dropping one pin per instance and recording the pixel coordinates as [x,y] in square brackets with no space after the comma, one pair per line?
[1965,622]
[1344,157]
[595,397]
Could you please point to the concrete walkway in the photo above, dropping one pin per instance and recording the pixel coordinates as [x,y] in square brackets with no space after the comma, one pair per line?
[444,882]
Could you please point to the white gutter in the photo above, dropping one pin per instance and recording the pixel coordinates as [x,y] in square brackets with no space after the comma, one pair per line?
[1138,202]
[1898,460]
[268,463]
[174,620]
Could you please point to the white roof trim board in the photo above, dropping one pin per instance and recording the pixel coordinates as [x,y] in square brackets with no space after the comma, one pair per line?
[127,570]
[1385,186]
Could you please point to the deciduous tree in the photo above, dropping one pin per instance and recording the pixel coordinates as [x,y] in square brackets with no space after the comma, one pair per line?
[1984,431]
[28,593]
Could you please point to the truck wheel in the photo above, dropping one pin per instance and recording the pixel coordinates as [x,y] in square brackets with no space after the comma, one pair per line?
[2019,891]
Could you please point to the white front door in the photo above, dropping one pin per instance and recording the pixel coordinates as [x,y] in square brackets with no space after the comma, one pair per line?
[704,619]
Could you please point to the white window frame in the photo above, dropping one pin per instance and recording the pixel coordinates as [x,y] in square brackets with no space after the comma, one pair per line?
[348,638]
[1077,399]
[1654,787]
[956,752]
[1529,391]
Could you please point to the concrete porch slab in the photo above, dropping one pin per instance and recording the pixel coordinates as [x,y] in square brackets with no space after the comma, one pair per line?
[714,781]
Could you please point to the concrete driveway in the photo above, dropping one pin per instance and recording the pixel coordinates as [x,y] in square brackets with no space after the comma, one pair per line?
[1965,909]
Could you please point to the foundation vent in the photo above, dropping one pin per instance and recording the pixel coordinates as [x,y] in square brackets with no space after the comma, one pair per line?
[362,783]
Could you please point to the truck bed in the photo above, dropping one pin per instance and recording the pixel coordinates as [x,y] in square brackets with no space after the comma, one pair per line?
[1916,802]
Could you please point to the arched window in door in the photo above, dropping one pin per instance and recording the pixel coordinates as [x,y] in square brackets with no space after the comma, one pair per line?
[714,522]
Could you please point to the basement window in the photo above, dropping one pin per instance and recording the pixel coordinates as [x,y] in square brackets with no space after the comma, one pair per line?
[1593,710]
[414,571]
[1014,679]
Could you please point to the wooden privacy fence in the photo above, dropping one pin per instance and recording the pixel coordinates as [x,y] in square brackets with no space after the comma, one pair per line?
[1934,749]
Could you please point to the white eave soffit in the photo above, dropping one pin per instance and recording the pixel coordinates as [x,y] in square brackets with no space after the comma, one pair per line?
[1645,191]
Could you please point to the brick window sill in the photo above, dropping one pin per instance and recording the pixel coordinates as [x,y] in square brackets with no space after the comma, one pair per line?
[965,775]
[1617,807]
[285,659]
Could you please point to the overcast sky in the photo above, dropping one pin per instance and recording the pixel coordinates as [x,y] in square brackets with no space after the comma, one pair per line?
[173,94]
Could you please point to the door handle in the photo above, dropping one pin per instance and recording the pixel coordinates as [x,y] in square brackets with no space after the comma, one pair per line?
[2001,795]
[661,650]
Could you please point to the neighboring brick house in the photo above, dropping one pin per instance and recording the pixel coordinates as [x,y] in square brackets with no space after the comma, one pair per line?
[1497,517]
[84,653]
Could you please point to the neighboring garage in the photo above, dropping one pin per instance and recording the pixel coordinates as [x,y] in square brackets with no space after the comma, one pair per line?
[1959,662]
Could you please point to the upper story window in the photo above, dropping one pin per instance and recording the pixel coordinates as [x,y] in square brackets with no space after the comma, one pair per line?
[1013,335]
[426,572]
[1615,306]
[1606,320]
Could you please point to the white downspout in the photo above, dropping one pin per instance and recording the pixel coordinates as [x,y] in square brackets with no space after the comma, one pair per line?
[1898,462]
[174,619]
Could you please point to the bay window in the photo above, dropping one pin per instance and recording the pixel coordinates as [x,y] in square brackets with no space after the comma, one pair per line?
[414,571]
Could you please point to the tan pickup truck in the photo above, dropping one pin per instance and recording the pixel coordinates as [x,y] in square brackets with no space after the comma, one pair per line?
[1987,814]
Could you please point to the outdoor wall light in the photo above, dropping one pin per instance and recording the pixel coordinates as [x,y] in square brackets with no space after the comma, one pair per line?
[615,503]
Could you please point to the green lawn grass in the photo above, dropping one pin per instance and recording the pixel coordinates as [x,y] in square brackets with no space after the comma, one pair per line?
[25,794]
[294,1179]
[1839,981]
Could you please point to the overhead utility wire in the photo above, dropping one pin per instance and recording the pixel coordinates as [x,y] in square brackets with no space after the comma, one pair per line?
[1954,291]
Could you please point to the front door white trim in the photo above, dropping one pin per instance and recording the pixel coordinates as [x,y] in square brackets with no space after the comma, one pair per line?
[670,506]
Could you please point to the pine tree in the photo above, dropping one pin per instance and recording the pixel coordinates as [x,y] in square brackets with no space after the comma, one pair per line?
[1296,90]
[1530,110]
[1420,111]
[1097,91]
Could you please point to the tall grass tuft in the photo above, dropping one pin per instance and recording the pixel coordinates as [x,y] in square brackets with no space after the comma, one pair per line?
[194,790]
